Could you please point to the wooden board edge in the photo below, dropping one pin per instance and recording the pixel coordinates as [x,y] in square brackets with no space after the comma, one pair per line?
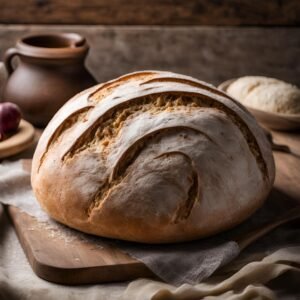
[26,129]
[72,276]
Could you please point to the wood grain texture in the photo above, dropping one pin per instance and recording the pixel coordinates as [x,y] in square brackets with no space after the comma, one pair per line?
[61,259]
[154,12]
[55,258]
[18,141]
[212,54]
[287,178]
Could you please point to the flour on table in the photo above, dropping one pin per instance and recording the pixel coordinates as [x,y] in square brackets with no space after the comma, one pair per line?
[15,190]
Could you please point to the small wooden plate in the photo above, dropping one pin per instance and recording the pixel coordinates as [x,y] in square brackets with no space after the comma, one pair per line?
[270,120]
[19,141]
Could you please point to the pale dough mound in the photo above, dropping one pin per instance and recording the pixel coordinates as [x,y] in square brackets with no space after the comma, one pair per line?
[268,94]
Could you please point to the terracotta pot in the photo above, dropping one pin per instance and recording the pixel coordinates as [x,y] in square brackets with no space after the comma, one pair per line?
[49,72]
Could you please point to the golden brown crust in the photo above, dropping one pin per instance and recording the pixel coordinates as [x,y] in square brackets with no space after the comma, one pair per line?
[152,157]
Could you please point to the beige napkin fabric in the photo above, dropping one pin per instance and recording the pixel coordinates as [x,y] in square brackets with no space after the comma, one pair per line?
[248,283]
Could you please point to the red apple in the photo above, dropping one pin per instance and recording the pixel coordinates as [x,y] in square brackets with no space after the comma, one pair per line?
[10,117]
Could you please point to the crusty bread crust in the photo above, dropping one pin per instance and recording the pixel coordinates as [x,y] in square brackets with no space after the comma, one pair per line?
[152,157]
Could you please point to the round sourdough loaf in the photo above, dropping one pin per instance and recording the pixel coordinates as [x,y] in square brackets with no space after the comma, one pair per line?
[152,157]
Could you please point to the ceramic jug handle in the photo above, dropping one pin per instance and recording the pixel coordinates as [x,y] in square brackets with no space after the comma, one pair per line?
[8,56]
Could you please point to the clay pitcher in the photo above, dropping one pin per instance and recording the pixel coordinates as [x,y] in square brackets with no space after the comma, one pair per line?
[50,70]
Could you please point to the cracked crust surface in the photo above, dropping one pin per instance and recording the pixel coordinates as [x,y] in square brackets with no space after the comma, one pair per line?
[152,157]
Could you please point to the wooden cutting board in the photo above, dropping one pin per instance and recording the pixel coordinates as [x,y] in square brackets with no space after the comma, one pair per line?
[83,261]
[56,259]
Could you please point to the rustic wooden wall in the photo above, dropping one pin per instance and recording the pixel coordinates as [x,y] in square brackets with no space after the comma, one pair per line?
[151,12]
[200,46]
[213,54]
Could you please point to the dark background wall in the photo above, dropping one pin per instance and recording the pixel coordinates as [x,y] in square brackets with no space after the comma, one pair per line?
[211,39]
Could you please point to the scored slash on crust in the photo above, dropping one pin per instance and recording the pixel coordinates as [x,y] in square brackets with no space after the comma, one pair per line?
[199,100]
[129,156]
[185,208]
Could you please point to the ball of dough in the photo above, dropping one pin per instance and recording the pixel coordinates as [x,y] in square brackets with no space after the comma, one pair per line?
[268,94]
